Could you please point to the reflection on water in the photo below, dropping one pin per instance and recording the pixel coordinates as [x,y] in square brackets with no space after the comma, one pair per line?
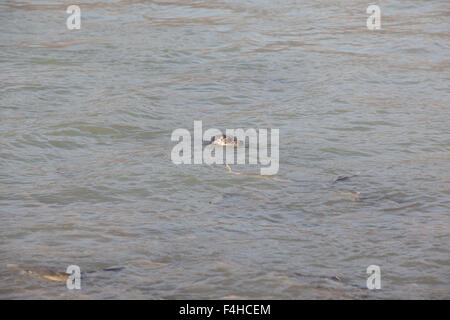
[85,172]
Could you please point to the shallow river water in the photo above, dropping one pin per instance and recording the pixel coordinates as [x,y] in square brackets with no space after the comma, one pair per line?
[86,176]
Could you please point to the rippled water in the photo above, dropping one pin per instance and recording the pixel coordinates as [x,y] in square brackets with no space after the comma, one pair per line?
[86,177]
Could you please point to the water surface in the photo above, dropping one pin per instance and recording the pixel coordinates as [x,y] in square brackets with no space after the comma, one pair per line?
[86,177]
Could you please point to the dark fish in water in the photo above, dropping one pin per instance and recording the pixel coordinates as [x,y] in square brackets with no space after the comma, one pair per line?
[334,278]
[114,269]
[343,178]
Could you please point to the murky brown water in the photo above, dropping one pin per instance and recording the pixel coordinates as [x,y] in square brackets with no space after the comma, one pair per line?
[85,172]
